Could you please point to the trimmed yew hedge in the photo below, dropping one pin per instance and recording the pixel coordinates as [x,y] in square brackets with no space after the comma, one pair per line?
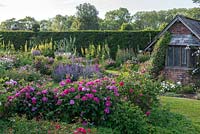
[125,39]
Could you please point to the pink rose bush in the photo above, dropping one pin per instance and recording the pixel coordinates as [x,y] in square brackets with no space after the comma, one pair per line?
[88,101]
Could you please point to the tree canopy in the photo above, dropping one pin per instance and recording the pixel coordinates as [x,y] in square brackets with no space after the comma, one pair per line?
[87,17]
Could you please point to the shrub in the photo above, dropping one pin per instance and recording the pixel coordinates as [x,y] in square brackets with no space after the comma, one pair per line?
[43,64]
[23,59]
[76,71]
[26,73]
[166,121]
[88,101]
[139,89]
[128,119]
[6,62]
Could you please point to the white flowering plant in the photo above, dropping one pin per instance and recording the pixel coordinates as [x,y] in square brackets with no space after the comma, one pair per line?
[167,86]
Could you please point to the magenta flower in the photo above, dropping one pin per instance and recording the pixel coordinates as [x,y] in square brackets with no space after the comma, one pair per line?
[55,90]
[34,100]
[28,95]
[62,83]
[59,102]
[44,99]
[71,102]
[131,90]
[108,103]
[107,110]
[84,98]
[121,83]
[66,91]
[80,88]
[96,99]
[72,89]
[38,93]
[148,113]
[44,91]
[90,96]
[94,91]
[17,94]
[77,96]
[68,81]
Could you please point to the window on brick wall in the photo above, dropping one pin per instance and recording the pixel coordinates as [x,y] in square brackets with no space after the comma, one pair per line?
[179,56]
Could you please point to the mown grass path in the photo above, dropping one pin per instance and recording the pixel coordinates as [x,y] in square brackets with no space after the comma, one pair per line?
[187,107]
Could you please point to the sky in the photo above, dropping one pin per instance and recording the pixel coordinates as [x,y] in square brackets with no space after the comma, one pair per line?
[45,9]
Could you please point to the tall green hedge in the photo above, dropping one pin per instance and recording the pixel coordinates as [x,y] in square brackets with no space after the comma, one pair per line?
[124,39]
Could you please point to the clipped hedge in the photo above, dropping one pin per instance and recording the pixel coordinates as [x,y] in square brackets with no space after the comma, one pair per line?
[125,39]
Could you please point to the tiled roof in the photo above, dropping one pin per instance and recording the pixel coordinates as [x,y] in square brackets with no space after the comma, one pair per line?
[192,24]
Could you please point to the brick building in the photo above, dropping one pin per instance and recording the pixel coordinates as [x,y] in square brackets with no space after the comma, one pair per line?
[185,36]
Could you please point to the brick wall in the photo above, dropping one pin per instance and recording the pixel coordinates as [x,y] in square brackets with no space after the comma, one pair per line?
[177,74]
[179,28]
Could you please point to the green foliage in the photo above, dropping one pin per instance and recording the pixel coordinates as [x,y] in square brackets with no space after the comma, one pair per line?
[128,119]
[36,27]
[143,57]
[84,39]
[196,1]
[43,64]
[159,54]
[25,73]
[115,18]
[139,90]
[66,46]
[124,55]
[20,125]
[126,26]
[170,123]
[23,59]
[87,17]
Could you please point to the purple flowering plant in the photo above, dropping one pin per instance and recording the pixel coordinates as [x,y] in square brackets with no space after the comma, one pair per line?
[89,101]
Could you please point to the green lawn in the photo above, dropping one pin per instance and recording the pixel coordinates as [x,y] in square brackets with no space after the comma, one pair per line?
[187,107]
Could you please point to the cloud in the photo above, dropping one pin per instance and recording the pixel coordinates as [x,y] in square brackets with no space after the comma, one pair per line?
[2,5]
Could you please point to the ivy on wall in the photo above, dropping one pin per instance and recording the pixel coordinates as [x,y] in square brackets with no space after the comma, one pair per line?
[159,54]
